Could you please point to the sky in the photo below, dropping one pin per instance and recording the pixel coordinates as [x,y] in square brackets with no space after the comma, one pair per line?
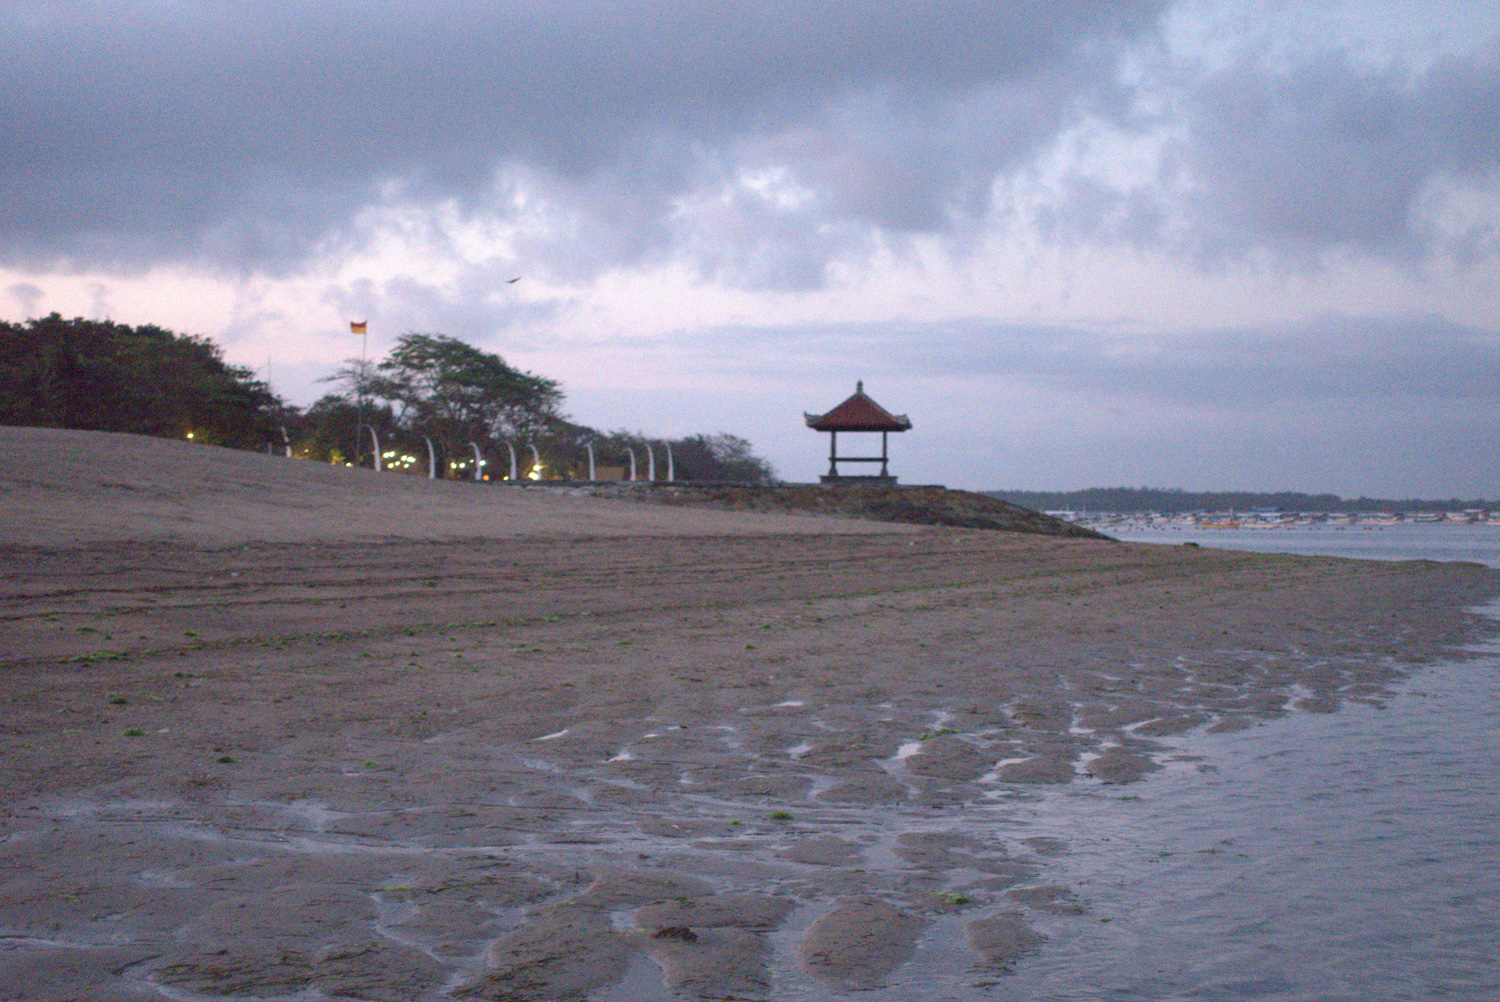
[1197,244]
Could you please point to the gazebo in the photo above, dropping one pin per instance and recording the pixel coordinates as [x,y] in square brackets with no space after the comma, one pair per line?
[858,413]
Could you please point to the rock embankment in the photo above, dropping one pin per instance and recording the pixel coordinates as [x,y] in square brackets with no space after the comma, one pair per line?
[917,505]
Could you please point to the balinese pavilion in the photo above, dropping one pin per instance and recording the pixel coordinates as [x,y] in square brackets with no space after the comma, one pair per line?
[858,414]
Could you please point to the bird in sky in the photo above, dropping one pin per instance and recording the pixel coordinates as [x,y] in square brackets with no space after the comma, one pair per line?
[513,281]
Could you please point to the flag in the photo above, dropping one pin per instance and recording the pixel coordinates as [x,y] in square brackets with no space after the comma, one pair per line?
[358,327]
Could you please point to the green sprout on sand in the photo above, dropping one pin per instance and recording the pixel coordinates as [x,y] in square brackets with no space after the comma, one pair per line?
[134,732]
[781,816]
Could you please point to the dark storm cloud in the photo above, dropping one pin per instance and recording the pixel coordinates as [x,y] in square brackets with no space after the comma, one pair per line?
[241,132]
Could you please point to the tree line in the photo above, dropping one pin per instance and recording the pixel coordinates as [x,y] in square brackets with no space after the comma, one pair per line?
[430,391]
[146,380]
[1172,501]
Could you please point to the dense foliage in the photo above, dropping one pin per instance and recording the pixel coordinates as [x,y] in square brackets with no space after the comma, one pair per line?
[719,457]
[1172,502]
[104,376]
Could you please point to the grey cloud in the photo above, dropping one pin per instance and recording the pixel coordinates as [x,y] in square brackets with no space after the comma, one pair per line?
[246,132]
[1327,359]
[1328,154]
[26,295]
[1090,210]
[250,136]
[481,308]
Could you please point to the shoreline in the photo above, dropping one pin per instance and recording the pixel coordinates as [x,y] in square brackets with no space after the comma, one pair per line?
[742,759]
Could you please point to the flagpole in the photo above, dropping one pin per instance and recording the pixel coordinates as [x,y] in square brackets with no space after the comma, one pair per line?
[363,329]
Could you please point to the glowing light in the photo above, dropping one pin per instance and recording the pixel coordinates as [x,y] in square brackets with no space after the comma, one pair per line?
[190,434]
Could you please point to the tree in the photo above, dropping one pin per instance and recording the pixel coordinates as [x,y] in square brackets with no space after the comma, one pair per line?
[444,384]
[103,376]
[440,386]
[329,429]
[719,457]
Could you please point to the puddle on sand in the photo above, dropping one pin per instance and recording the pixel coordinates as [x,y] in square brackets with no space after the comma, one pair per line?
[565,823]
[643,982]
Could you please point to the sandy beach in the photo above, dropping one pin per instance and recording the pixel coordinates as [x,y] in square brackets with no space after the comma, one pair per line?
[274,728]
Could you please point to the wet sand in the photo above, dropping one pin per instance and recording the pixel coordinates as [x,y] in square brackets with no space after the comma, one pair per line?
[591,749]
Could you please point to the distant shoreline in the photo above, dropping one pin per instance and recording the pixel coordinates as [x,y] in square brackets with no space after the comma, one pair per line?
[1171,501]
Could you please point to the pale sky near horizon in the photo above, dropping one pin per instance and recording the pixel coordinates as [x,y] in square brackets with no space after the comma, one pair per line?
[1211,245]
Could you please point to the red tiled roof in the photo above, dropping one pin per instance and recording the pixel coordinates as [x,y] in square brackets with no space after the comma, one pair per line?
[858,413]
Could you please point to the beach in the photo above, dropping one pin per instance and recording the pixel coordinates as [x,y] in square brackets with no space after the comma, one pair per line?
[275,728]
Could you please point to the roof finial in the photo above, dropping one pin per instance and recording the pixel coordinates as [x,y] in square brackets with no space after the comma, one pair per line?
[859,386]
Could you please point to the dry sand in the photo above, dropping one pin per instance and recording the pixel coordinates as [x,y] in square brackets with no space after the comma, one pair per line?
[274,728]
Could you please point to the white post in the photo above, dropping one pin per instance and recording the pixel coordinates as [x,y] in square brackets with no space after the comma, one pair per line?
[671,473]
[650,462]
[632,462]
[478,462]
[590,446]
[536,462]
[376,440]
[431,459]
[285,441]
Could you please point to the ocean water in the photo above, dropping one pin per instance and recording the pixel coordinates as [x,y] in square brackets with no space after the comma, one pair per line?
[1406,541]
[1350,856]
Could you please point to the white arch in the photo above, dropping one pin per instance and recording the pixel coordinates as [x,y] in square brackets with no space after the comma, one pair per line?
[632,462]
[431,459]
[590,446]
[536,461]
[650,461]
[671,473]
[478,462]
[374,438]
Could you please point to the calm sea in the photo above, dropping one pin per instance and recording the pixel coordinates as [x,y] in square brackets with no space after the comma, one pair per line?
[1352,856]
[1408,541]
